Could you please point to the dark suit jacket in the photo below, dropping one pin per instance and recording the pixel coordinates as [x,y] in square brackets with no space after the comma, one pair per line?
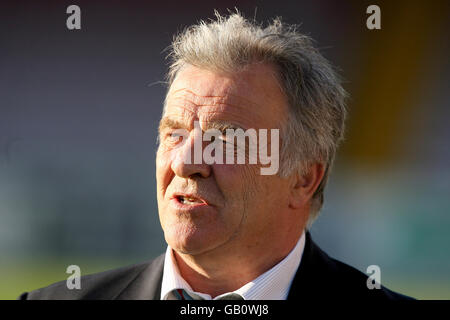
[318,277]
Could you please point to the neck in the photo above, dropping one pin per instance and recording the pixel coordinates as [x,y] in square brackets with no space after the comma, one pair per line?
[227,269]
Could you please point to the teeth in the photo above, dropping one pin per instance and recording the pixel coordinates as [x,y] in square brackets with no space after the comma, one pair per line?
[188,200]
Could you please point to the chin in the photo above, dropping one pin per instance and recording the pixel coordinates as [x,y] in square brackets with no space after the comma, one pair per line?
[192,242]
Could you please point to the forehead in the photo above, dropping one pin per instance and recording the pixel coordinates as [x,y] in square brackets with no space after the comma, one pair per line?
[251,98]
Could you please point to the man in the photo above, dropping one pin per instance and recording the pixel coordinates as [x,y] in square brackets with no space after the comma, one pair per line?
[233,232]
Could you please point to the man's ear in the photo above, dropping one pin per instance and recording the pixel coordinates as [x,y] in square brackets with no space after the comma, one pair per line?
[304,186]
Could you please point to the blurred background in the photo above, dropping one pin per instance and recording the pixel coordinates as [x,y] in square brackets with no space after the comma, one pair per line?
[78,123]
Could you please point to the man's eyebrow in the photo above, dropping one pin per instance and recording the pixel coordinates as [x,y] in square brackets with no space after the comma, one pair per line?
[220,125]
[170,123]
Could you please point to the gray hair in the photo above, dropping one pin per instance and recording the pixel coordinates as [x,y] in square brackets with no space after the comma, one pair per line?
[316,99]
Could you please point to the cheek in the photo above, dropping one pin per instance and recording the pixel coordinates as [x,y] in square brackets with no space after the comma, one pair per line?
[238,184]
[254,195]
[163,171]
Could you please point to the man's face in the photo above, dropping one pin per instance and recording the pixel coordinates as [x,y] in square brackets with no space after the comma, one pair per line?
[219,206]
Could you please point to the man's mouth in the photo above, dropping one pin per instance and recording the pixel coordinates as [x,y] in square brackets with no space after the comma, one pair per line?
[189,200]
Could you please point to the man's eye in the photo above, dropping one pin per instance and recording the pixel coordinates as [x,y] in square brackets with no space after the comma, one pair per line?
[221,139]
[224,139]
[172,136]
[214,138]
[175,135]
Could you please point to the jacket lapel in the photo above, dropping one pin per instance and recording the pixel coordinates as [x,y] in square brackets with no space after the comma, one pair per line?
[314,274]
[147,284]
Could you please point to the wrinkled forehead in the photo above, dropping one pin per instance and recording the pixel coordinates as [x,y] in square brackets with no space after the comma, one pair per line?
[251,98]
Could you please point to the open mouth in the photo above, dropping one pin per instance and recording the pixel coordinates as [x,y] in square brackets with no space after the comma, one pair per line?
[189,200]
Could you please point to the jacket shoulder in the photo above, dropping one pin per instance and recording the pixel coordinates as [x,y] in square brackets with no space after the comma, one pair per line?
[106,285]
[322,277]
[354,283]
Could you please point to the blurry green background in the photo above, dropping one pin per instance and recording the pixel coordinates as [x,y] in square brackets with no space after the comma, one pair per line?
[78,121]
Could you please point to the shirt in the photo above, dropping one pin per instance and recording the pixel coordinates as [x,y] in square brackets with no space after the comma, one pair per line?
[273,284]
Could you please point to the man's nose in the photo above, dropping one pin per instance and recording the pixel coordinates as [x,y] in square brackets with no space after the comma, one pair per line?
[188,159]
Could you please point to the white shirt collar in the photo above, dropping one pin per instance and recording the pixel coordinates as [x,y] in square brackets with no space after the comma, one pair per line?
[273,284]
